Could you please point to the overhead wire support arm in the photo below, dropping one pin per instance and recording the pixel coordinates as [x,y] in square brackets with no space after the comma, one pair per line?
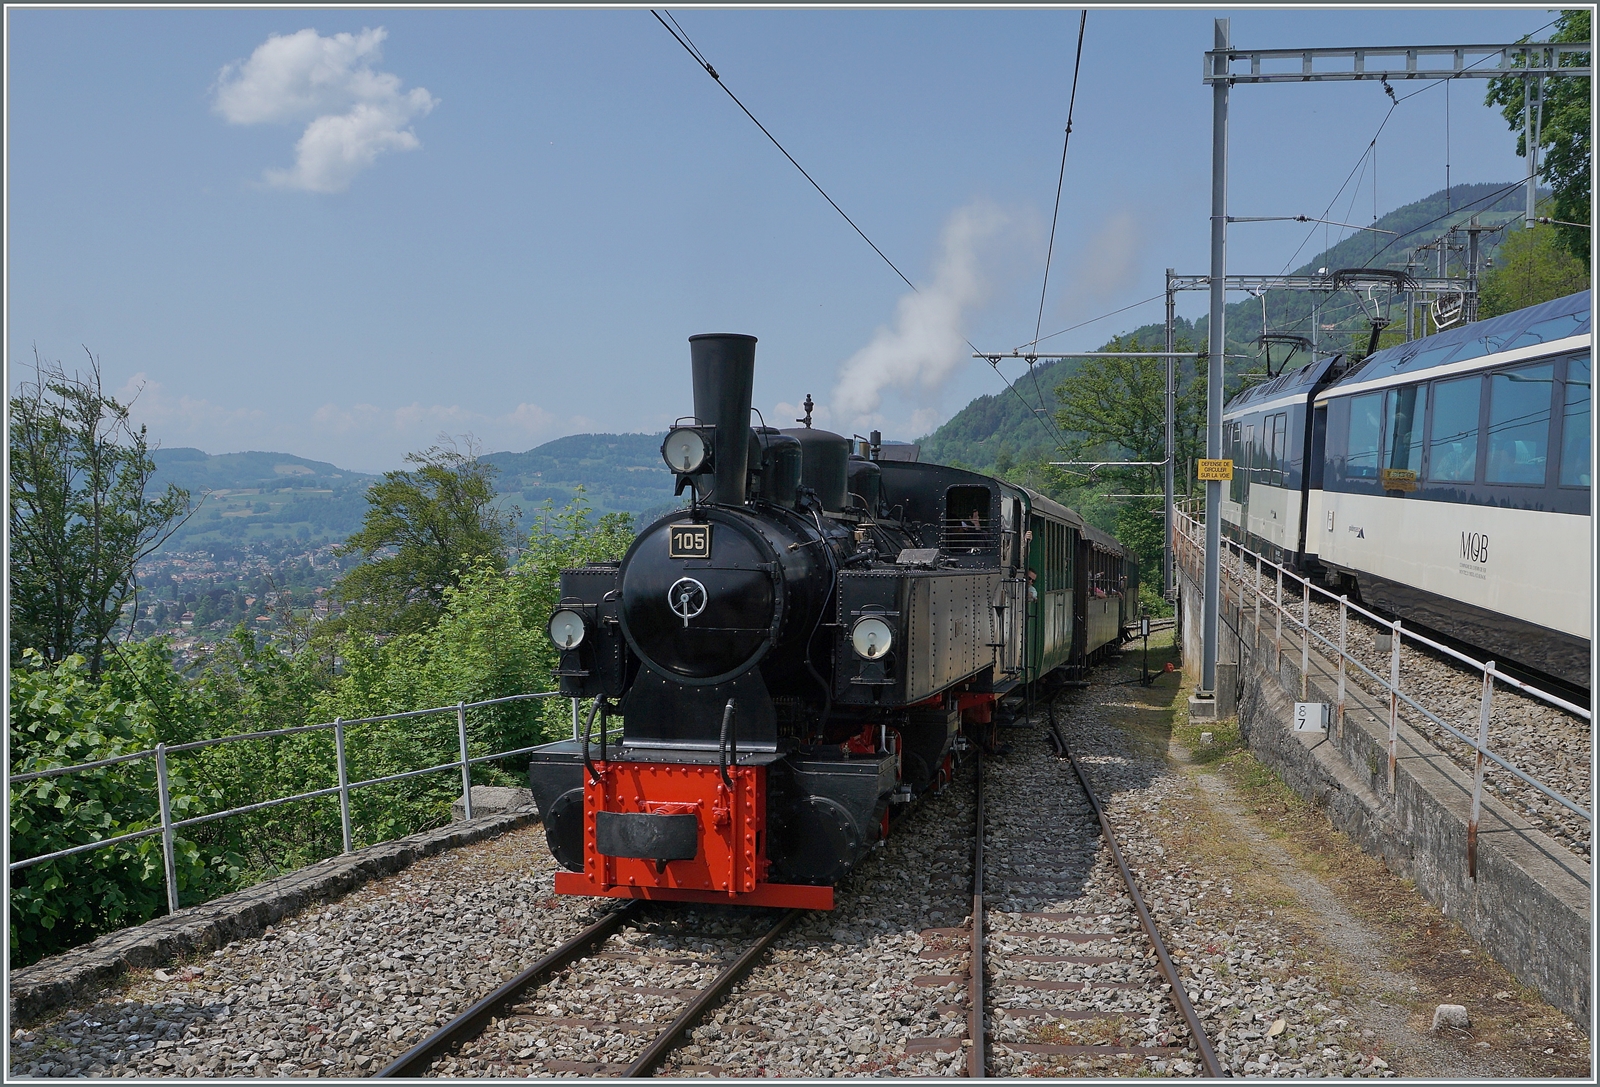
[1302,219]
[1393,63]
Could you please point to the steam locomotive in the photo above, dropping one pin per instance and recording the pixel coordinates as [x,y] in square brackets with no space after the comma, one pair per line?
[794,654]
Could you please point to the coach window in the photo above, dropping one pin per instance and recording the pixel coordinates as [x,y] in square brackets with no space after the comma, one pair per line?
[1244,459]
[1575,425]
[1453,444]
[1278,452]
[1405,410]
[1366,427]
[1519,424]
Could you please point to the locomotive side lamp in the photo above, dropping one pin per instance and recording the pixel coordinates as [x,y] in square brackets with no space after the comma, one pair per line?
[567,629]
[871,637]
[687,450]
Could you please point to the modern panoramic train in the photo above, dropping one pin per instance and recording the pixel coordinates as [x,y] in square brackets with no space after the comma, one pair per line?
[795,653]
[1445,481]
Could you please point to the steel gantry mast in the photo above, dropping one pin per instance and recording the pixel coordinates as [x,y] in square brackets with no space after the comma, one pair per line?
[1530,61]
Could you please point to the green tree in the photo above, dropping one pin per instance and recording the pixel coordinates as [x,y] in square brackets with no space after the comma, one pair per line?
[1564,132]
[1533,267]
[1116,410]
[79,517]
[424,530]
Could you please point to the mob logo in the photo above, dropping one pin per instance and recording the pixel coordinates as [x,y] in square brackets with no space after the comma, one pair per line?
[1475,547]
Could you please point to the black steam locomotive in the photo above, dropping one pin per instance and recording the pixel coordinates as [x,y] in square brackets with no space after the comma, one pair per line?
[794,654]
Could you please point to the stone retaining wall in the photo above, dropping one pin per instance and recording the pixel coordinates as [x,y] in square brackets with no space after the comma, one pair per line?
[56,981]
[1529,905]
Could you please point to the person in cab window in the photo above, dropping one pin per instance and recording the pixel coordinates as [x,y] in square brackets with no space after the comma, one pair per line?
[1033,587]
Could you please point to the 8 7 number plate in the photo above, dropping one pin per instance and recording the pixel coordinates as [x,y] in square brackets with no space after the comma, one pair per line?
[689,542]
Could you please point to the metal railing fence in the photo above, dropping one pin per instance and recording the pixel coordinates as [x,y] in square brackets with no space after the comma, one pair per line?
[1189,545]
[169,826]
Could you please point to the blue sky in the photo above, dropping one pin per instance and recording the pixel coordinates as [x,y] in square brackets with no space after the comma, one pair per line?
[507,222]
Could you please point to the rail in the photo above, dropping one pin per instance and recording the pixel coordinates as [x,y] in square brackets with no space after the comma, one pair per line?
[1189,544]
[169,826]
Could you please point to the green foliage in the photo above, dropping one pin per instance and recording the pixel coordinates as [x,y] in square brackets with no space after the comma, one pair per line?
[79,517]
[488,641]
[1564,132]
[424,531]
[1118,408]
[59,717]
[1534,267]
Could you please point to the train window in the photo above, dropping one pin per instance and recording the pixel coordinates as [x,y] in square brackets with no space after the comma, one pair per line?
[1278,452]
[1519,424]
[1575,467]
[1405,410]
[1244,457]
[1453,445]
[1366,428]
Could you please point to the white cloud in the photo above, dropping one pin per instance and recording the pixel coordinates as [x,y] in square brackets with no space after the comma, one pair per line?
[926,344]
[353,113]
[186,417]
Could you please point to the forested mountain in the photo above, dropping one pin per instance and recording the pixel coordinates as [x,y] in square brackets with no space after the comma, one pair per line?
[998,430]
[252,497]
[618,472]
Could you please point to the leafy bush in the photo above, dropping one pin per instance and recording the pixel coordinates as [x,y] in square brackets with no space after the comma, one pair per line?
[489,642]
[58,718]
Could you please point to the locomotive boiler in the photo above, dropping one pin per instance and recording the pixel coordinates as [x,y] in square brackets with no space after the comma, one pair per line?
[793,654]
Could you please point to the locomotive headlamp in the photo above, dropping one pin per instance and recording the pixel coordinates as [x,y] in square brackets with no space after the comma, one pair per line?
[871,637]
[566,629]
[686,450]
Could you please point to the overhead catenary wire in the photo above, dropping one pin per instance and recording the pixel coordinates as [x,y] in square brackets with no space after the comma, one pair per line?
[1061,177]
[682,38]
[1396,102]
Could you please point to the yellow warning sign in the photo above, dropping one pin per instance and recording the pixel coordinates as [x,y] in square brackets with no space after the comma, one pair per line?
[1216,469]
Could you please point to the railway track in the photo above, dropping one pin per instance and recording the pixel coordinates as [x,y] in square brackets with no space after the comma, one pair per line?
[586,1007]
[1064,961]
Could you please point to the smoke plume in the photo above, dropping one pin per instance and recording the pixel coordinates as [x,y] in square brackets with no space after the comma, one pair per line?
[925,344]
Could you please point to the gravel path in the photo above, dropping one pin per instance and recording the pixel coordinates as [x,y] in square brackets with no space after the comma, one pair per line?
[1266,1009]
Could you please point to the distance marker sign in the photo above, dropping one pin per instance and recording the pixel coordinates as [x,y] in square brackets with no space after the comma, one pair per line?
[1215,469]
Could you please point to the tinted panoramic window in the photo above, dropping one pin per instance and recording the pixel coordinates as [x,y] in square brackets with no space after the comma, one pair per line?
[1519,424]
[1366,428]
[1575,425]
[1453,449]
[1403,443]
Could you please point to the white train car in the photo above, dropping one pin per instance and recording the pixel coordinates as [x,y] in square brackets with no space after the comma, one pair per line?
[1268,433]
[1455,485]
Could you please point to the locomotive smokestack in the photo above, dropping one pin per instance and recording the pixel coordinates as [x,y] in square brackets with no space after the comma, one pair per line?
[724,366]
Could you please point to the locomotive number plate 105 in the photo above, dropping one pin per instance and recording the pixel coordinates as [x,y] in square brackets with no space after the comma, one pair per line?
[689,542]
